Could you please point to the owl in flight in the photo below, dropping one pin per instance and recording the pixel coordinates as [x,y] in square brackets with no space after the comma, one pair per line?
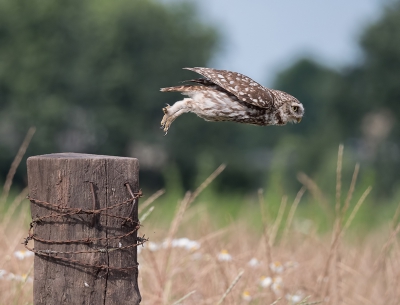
[229,96]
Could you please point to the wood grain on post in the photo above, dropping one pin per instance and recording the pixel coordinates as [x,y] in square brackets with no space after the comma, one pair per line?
[67,180]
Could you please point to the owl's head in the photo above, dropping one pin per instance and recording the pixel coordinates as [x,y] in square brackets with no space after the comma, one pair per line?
[292,110]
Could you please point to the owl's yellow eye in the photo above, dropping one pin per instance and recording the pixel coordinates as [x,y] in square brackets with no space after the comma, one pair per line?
[295,108]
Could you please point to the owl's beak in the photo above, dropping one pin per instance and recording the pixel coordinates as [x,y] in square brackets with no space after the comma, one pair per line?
[298,120]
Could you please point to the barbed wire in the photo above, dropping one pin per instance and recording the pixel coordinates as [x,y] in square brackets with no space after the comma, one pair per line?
[63,212]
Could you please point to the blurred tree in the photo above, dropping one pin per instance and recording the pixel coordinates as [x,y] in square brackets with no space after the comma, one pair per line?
[357,106]
[378,91]
[87,73]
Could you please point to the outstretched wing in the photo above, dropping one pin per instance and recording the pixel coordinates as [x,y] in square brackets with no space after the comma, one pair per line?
[202,84]
[243,87]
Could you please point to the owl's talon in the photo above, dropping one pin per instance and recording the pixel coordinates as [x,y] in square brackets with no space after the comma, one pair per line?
[172,112]
[164,121]
[165,109]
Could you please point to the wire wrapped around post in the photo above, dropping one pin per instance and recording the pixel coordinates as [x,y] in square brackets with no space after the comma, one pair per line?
[65,212]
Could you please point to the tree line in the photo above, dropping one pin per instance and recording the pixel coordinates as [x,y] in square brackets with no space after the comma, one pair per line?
[87,74]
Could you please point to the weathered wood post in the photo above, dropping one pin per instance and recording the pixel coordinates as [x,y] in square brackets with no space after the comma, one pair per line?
[84,212]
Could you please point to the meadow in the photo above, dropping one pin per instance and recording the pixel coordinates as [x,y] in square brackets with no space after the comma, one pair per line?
[204,248]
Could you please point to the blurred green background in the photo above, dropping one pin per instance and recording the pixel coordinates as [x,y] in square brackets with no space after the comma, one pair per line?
[87,74]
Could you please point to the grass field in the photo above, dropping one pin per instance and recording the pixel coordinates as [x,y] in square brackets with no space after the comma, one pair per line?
[268,251]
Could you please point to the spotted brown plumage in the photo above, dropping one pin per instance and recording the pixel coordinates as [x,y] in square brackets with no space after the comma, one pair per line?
[243,87]
[229,96]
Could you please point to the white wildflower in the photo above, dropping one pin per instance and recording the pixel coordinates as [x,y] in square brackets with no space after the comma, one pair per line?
[10,276]
[265,281]
[277,288]
[20,255]
[2,273]
[186,243]
[253,262]
[276,267]
[180,242]
[224,256]
[276,283]
[23,254]
[294,298]
[153,246]
[23,278]
[86,284]
[192,245]
[246,296]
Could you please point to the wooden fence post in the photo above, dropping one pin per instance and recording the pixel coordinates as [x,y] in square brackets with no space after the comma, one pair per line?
[85,221]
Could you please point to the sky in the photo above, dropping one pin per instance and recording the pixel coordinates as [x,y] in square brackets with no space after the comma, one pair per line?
[263,37]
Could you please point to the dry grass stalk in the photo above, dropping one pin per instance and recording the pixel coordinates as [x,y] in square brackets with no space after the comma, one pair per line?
[395,217]
[150,200]
[337,227]
[213,235]
[184,297]
[9,213]
[305,301]
[178,217]
[266,233]
[145,215]
[13,206]
[338,230]
[292,211]
[224,278]
[351,189]
[387,245]
[356,208]
[24,281]
[379,264]
[278,221]
[339,179]
[206,182]
[15,164]
[172,231]
[316,192]
[337,296]
[324,279]
[157,271]
[187,200]
[231,287]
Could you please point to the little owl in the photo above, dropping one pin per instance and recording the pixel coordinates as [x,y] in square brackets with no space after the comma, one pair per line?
[229,96]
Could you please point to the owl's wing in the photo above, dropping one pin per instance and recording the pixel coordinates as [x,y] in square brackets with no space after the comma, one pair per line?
[243,87]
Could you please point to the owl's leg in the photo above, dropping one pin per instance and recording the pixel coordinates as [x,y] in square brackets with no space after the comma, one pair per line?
[172,112]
